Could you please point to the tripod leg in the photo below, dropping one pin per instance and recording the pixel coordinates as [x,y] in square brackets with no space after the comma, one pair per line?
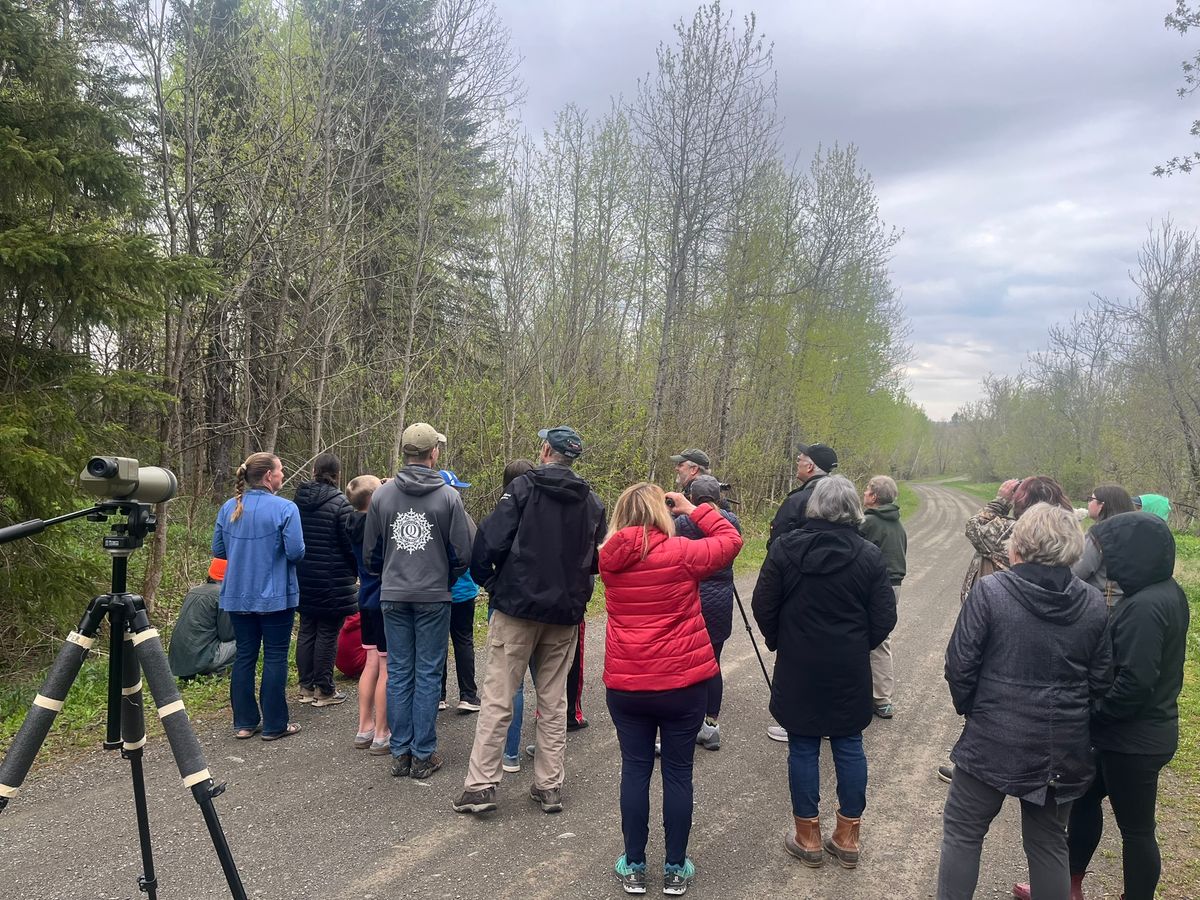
[46,706]
[185,746]
[133,736]
[753,642]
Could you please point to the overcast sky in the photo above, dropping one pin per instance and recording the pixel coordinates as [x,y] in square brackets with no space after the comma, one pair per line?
[1011,142]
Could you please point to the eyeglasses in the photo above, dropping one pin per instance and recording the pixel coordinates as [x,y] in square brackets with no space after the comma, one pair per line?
[1094,499]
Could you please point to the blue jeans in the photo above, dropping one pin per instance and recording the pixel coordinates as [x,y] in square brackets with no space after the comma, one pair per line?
[804,774]
[273,631]
[512,742]
[416,637]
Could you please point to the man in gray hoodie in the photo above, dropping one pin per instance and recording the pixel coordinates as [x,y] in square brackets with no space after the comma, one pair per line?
[419,523]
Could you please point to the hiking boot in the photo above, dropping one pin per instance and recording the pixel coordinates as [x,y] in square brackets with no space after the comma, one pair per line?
[468,705]
[677,878]
[843,843]
[709,736]
[1021,891]
[307,695]
[401,765]
[884,710]
[476,801]
[777,733]
[549,798]
[631,875]
[946,773]
[333,699]
[577,724]
[805,845]
[423,768]
[511,764]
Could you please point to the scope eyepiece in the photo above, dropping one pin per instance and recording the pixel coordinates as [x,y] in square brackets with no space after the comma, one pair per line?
[103,467]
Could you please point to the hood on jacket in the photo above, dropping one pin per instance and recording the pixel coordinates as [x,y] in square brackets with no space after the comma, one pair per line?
[1138,548]
[313,495]
[559,483]
[419,480]
[1157,504]
[821,547]
[1059,607]
[624,549]
[889,512]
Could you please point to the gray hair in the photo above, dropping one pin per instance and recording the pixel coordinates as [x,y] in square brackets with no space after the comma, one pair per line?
[1048,535]
[835,499]
[884,489]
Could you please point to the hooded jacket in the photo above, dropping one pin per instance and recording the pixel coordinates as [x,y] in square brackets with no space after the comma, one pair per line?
[823,601]
[426,543]
[883,529]
[1028,654]
[328,572]
[536,554]
[656,638]
[716,591]
[793,511]
[1148,628]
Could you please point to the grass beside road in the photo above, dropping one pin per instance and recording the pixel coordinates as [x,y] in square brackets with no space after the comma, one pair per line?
[983,490]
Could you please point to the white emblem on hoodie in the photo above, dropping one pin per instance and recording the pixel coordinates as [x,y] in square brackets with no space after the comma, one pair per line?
[411,531]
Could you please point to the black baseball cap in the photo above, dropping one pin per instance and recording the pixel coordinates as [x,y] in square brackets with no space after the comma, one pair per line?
[823,456]
[692,455]
[563,439]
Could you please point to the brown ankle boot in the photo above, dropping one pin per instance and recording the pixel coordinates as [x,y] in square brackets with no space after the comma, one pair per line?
[843,843]
[806,845]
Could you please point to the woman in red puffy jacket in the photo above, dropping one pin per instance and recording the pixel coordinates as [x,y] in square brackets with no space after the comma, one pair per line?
[658,661]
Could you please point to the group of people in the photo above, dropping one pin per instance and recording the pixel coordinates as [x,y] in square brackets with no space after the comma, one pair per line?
[1066,661]
[1048,615]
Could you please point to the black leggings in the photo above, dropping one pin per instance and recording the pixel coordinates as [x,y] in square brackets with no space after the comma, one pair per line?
[1130,781]
[716,686]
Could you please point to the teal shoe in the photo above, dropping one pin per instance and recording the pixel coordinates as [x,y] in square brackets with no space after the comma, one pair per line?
[631,875]
[677,878]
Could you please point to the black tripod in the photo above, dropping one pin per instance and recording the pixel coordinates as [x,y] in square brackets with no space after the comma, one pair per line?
[134,647]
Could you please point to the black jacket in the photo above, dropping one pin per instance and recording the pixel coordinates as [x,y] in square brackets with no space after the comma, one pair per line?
[328,574]
[792,512]
[1028,654]
[1149,626]
[823,600]
[536,554]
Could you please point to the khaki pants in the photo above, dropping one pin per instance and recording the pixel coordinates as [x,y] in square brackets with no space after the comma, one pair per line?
[883,673]
[512,643]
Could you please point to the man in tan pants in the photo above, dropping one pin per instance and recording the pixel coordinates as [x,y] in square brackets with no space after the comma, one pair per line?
[536,555]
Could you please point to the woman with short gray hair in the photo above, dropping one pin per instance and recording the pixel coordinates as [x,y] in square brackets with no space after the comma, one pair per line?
[823,602]
[1028,655]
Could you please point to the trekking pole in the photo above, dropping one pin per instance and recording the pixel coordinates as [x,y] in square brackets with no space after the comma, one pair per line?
[753,642]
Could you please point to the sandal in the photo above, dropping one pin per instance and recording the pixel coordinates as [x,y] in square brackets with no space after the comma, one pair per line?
[244,734]
[293,728]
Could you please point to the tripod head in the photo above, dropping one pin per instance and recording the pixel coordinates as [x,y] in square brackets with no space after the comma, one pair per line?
[123,539]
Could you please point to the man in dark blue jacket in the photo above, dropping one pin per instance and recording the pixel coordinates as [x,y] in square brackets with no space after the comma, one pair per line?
[536,555]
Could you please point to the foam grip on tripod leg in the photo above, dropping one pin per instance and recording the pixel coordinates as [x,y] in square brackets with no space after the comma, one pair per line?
[185,746]
[46,705]
[133,716]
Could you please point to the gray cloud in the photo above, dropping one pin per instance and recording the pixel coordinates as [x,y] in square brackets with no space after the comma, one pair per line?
[1011,142]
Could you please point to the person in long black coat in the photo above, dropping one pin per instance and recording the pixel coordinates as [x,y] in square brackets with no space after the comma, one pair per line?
[1028,655]
[823,601]
[328,577]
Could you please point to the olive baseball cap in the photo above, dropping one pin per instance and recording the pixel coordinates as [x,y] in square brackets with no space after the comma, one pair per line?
[692,455]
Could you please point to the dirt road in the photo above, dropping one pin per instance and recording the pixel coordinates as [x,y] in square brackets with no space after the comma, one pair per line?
[310,817]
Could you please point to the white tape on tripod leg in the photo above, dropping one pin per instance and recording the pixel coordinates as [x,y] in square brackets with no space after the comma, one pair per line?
[8,791]
[76,638]
[136,689]
[197,778]
[48,703]
[170,709]
[142,636]
[136,745]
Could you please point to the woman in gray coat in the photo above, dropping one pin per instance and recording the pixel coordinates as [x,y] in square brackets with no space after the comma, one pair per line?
[1028,655]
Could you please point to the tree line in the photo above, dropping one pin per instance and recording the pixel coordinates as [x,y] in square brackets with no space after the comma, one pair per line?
[229,226]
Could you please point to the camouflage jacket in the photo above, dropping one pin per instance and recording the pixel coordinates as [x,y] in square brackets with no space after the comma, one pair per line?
[988,531]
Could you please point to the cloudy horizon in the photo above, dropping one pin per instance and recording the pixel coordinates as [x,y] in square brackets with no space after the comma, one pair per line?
[1012,145]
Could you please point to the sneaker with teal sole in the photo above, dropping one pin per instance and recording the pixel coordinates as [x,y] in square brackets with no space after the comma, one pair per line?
[631,875]
[677,878]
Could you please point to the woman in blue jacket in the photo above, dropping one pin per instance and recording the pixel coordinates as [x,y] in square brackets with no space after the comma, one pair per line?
[260,536]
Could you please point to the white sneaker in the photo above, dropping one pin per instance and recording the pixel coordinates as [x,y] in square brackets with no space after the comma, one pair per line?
[442,705]
[777,733]
[709,736]
[511,764]
[468,706]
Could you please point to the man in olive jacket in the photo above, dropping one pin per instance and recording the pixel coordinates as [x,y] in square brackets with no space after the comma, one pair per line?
[883,529]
